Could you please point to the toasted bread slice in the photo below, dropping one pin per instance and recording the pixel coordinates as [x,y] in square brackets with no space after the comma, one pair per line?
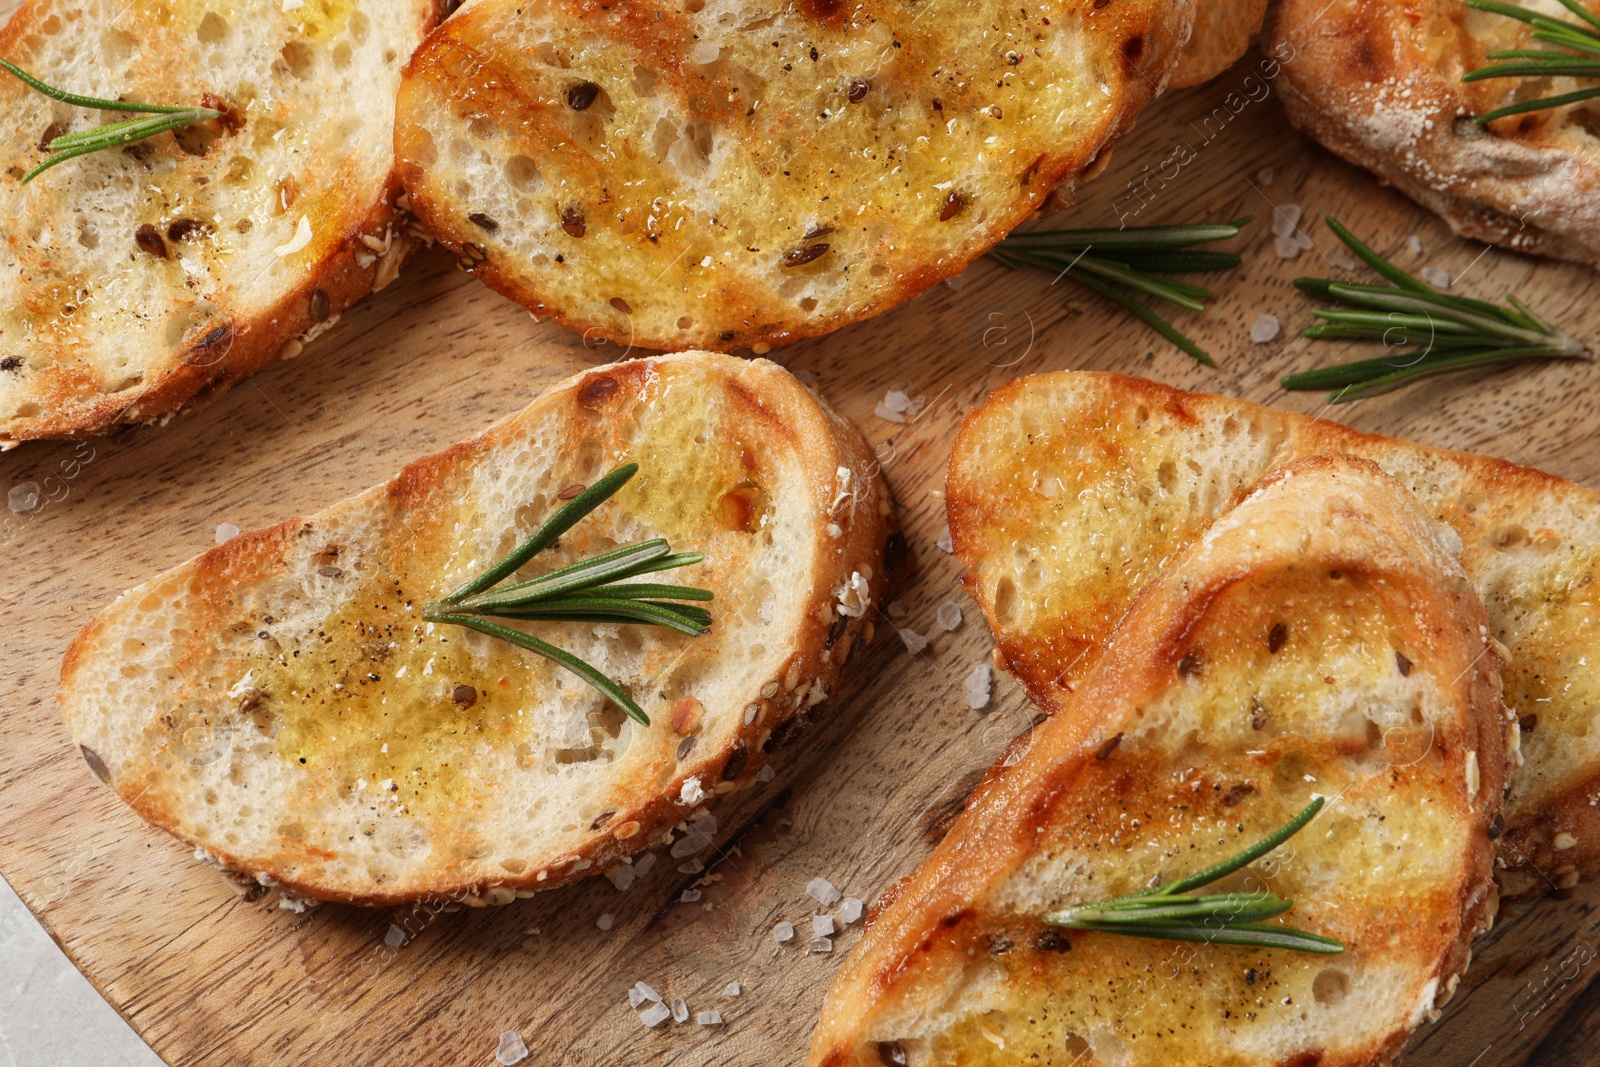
[280,703]
[1100,478]
[1222,33]
[726,175]
[1379,83]
[133,281]
[1320,640]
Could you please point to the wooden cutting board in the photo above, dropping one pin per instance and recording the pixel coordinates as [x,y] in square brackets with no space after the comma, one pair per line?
[208,977]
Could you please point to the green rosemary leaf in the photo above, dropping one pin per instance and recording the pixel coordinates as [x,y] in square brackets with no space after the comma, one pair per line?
[1561,100]
[1582,37]
[1429,332]
[1249,855]
[642,591]
[96,102]
[1249,934]
[161,118]
[563,520]
[587,591]
[1118,263]
[1430,368]
[619,563]
[612,690]
[586,609]
[1171,913]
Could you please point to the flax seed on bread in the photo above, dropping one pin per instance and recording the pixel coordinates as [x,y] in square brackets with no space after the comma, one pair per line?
[279,702]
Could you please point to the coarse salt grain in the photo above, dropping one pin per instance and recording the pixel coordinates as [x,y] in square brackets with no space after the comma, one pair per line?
[1265,328]
[704,52]
[783,932]
[897,610]
[226,531]
[635,998]
[512,1049]
[23,498]
[1414,245]
[606,921]
[949,615]
[1266,175]
[766,774]
[819,945]
[822,891]
[822,925]
[691,867]
[709,1018]
[1286,247]
[977,685]
[647,992]
[1286,219]
[914,641]
[1437,277]
[655,1015]
[642,865]
[850,910]
[680,1010]
[622,876]
[691,793]
[691,896]
[732,989]
[944,542]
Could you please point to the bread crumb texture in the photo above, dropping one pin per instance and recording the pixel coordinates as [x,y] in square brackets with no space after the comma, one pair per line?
[281,702]
[1259,671]
[713,173]
[131,279]
[1105,477]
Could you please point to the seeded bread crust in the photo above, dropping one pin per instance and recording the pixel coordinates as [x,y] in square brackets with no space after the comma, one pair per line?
[270,761]
[99,329]
[735,177]
[1197,732]
[1378,82]
[1105,476]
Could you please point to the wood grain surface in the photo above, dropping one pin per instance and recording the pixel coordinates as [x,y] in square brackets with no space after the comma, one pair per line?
[210,978]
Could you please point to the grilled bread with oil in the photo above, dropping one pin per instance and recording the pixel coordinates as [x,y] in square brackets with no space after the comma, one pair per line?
[730,175]
[1321,639]
[1102,477]
[1379,83]
[279,703]
[1222,33]
[139,280]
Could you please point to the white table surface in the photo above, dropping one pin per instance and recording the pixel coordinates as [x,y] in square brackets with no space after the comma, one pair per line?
[50,1016]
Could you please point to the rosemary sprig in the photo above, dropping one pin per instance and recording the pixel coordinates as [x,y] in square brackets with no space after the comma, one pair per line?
[1136,259]
[1579,56]
[161,118]
[1171,913]
[593,590]
[1435,333]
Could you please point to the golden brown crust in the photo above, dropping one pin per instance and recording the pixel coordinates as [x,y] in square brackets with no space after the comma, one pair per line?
[1485,500]
[653,289]
[1378,82]
[413,509]
[1222,33]
[357,247]
[1060,789]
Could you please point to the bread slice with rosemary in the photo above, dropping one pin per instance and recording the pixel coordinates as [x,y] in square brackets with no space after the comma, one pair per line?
[299,705]
[1102,477]
[1320,641]
[137,280]
[675,175]
[1379,82]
